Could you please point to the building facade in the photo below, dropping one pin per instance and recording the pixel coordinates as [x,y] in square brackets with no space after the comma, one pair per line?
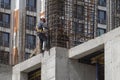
[81,20]
[18,19]
[102,17]
[96,59]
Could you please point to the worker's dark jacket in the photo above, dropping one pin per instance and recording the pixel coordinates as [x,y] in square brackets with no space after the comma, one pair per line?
[40,32]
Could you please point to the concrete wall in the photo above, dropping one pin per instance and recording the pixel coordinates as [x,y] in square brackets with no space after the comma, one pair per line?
[93,45]
[48,66]
[79,71]
[67,69]
[20,70]
[55,65]
[5,72]
[112,59]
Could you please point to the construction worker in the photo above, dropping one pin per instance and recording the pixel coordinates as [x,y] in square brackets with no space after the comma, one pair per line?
[41,29]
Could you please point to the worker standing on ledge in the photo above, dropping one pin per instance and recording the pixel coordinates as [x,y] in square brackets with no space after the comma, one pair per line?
[41,29]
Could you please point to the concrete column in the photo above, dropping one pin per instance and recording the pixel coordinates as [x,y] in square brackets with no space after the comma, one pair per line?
[68,69]
[21,5]
[17,75]
[13,2]
[112,59]
[17,29]
[48,65]
[57,66]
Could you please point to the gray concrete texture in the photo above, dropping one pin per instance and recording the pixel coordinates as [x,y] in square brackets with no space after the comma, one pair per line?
[112,59]
[93,45]
[55,65]
[5,72]
[68,69]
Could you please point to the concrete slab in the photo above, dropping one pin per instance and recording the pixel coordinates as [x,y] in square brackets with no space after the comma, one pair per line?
[20,70]
[55,65]
[44,61]
[29,64]
[93,45]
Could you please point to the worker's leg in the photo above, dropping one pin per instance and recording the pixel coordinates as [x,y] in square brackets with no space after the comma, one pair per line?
[41,45]
[41,42]
[47,42]
[41,37]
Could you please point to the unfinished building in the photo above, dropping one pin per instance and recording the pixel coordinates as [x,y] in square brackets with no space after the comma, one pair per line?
[72,55]
[74,19]
[83,62]
[18,19]
[17,29]
[113,12]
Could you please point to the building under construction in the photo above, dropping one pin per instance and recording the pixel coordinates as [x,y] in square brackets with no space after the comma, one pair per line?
[71,22]
[76,49]
[113,12]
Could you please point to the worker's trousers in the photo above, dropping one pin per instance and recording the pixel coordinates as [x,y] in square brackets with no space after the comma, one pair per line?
[42,44]
[43,40]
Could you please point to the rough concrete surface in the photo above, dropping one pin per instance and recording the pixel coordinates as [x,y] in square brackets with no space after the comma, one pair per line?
[55,65]
[5,72]
[67,69]
[93,45]
[112,59]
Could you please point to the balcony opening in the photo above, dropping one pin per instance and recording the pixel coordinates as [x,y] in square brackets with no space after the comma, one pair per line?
[96,60]
[35,75]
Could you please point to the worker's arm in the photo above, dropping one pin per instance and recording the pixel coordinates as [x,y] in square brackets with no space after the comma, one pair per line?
[37,27]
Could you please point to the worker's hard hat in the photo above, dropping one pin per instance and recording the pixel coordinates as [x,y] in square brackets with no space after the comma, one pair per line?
[42,16]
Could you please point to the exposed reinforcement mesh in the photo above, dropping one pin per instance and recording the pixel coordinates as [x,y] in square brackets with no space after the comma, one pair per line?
[71,22]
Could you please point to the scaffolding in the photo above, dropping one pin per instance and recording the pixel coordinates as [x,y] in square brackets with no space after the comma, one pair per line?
[70,22]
